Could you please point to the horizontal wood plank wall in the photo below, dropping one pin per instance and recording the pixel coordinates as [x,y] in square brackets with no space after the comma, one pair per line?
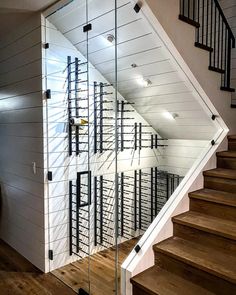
[229,8]
[178,158]
[21,133]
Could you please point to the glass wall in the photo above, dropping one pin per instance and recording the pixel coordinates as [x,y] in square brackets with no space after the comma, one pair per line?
[124,126]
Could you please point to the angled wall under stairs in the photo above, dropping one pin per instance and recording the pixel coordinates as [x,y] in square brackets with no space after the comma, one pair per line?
[200,258]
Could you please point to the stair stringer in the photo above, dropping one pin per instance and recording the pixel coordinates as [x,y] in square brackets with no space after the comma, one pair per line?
[182,37]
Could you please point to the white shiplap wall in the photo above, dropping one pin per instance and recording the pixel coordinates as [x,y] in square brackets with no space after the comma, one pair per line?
[229,9]
[21,133]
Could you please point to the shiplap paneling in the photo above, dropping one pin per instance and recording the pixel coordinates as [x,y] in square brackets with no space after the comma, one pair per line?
[21,131]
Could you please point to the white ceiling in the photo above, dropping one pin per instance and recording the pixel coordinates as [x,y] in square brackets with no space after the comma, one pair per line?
[170,90]
[15,12]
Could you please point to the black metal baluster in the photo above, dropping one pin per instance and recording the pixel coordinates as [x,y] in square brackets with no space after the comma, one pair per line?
[211,32]
[194,10]
[226,51]
[203,20]
[188,8]
[218,56]
[229,63]
[207,22]
[198,19]
[215,15]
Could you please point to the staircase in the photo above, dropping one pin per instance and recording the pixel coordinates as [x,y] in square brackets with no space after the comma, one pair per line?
[200,258]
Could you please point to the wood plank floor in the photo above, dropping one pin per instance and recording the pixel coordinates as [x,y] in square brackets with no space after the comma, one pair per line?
[102,271]
[19,277]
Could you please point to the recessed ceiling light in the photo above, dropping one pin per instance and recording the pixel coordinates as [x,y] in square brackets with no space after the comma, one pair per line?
[144,82]
[170,116]
[110,38]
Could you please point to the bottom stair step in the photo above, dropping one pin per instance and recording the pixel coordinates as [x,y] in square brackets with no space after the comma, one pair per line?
[157,281]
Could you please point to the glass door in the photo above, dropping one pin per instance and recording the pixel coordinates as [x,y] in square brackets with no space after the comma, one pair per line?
[82,140]
[68,144]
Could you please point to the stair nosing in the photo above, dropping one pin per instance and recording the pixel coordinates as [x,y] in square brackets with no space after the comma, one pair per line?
[216,232]
[226,154]
[208,173]
[197,195]
[194,264]
[150,290]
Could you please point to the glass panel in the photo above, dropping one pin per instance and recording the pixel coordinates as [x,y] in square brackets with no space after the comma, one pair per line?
[101,47]
[68,124]
[124,127]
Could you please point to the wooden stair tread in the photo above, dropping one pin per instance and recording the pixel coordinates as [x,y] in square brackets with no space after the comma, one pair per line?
[214,225]
[227,154]
[221,173]
[215,196]
[161,282]
[231,137]
[201,257]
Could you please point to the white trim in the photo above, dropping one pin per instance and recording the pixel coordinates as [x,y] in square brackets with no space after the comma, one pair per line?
[57,6]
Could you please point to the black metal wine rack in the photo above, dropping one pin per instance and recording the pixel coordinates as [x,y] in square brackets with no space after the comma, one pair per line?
[141,197]
[103,119]
[78,106]
[79,206]
[103,211]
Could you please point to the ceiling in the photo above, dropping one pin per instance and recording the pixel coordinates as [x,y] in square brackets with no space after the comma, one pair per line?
[148,75]
[15,12]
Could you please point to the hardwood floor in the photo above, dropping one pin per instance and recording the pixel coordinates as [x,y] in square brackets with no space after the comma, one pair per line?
[19,277]
[102,271]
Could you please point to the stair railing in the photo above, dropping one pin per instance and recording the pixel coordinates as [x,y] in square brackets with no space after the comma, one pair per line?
[213,34]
